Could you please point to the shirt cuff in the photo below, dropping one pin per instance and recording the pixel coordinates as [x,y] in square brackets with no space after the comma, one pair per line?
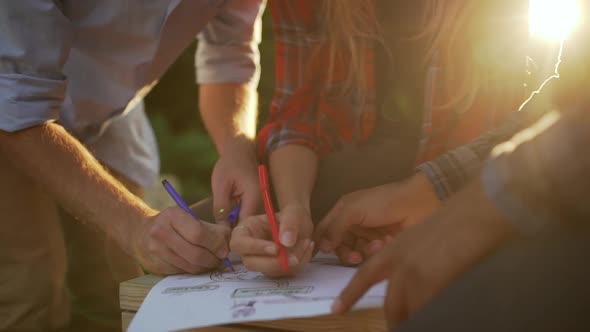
[227,64]
[27,101]
[449,172]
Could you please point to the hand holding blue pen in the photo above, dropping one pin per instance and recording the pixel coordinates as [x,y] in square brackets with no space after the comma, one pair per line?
[182,204]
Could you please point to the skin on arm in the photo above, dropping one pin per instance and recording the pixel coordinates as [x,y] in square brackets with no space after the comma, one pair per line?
[164,243]
[229,112]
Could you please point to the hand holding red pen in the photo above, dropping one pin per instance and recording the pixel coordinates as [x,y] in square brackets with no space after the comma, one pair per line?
[252,240]
[290,231]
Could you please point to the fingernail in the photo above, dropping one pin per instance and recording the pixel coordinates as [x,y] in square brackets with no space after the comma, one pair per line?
[355,258]
[337,306]
[311,245]
[271,250]
[288,239]
[326,246]
[293,261]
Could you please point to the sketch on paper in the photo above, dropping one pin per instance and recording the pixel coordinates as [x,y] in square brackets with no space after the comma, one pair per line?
[189,289]
[224,297]
[243,309]
[243,275]
[271,291]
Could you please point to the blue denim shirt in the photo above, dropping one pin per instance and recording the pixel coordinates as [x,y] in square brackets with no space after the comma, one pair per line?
[84,63]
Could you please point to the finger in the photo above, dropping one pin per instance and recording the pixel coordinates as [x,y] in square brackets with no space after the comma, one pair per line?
[348,255]
[394,307]
[368,234]
[222,199]
[333,216]
[197,258]
[158,266]
[373,248]
[243,244]
[339,222]
[210,236]
[185,266]
[307,255]
[268,265]
[360,246]
[370,273]
[289,229]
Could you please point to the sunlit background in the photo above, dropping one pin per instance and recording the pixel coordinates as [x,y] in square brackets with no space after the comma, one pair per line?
[182,136]
[553,19]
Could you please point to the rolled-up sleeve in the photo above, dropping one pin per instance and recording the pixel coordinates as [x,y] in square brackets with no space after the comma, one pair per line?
[34,45]
[228,46]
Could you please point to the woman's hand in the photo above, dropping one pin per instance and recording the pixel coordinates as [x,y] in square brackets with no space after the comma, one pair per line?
[362,222]
[252,240]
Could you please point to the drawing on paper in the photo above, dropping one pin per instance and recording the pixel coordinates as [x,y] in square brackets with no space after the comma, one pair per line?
[243,275]
[189,289]
[271,291]
[243,309]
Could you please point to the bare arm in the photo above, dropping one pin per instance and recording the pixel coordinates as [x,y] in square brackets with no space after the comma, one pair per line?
[166,243]
[293,170]
[229,111]
[71,174]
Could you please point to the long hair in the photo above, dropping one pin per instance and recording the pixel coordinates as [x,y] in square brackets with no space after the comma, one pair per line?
[350,24]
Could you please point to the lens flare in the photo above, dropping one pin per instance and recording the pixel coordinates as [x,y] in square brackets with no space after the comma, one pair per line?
[553,19]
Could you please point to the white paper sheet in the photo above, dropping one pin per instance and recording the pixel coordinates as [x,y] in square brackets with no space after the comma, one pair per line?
[187,301]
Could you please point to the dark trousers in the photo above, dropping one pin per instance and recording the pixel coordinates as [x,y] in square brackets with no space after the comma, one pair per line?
[535,285]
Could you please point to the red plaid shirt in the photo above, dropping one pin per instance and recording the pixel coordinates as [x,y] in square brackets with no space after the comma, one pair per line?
[307,110]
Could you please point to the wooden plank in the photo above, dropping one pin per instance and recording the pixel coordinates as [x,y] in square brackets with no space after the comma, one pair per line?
[133,292]
[127,316]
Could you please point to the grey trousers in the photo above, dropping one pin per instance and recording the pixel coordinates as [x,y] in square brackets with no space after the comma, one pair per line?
[537,285]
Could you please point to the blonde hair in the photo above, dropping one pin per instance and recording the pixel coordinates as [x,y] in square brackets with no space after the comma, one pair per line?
[351,25]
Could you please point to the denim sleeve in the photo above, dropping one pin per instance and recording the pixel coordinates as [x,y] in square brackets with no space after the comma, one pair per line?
[228,46]
[34,45]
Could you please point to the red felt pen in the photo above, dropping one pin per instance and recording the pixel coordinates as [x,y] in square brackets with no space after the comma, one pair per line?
[270,213]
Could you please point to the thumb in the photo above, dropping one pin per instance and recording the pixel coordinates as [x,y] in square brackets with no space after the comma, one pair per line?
[289,228]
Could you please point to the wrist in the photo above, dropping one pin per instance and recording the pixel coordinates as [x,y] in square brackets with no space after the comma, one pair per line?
[297,205]
[238,143]
[131,230]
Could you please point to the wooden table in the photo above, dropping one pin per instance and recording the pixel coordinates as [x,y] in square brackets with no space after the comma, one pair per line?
[133,292]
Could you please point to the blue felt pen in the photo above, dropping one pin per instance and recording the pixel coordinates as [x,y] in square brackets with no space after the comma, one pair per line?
[182,204]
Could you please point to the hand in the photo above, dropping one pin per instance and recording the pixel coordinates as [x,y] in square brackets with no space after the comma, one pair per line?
[252,240]
[426,258]
[362,222]
[173,242]
[235,176]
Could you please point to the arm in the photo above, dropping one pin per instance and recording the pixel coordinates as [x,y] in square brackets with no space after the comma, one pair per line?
[35,46]
[228,70]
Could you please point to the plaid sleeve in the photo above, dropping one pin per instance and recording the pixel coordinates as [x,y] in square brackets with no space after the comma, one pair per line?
[293,111]
[452,170]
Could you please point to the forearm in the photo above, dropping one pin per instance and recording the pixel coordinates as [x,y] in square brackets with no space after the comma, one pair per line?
[229,111]
[61,165]
[293,170]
